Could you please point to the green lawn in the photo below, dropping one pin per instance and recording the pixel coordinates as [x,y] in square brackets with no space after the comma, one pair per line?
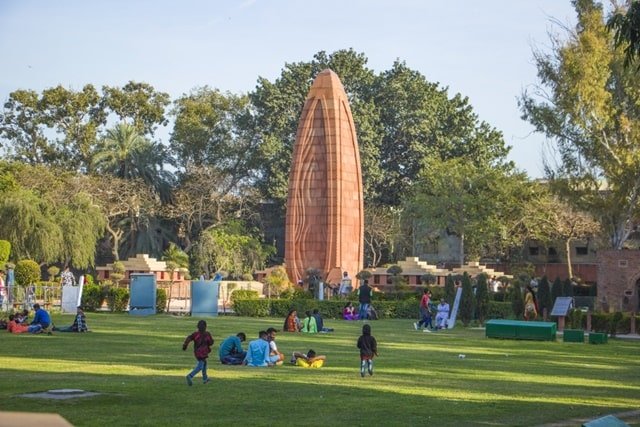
[419,379]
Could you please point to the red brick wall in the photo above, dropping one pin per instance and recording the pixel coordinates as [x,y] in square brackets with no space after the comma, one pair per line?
[618,275]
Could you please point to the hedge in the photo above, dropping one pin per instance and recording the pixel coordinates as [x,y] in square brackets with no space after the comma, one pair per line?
[332,309]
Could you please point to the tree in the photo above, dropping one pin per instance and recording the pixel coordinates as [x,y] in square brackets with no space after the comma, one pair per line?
[381,230]
[556,290]
[449,290]
[277,281]
[126,154]
[27,272]
[486,208]
[545,304]
[482,298]
[517,301]
[138,103]
[176,259]
[400,119]
[228,248]
[5,251]
[466,300]
[626,27]
[567,287]
[58,127]
[588,104]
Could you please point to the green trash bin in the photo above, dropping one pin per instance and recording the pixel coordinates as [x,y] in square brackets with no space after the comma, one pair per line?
[573,335]
[597,338]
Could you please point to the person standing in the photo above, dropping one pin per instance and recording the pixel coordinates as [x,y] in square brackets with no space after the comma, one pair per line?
[202,342]
[425,314]
[345,285]
[67,278]
[364,297]
[368,349]
[530,304]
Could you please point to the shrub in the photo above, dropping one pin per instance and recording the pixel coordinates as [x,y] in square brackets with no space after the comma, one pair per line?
[517,303]
[499,310]
[27,272]
[616,319]
[575,318]
[482,298]
[53,272]
[450,290]
[466,301]
[244,294]
[92,297]
[117,298]
[251,307]
[544,297]
[5,251]
[161,300]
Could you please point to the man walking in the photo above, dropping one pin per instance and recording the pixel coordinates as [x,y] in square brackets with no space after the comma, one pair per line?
[364,297]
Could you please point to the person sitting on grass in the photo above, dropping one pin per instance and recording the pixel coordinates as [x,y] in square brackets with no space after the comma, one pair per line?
[258,352]
[442,318]
[309,324]
[231,352]
[273,347]
[17,328]
[349,312]
[79,323]
[22,317]
[320,322]
[292,322]
[309,360]
[41,317]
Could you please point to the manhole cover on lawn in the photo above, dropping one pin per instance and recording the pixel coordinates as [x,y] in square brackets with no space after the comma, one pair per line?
[61,393]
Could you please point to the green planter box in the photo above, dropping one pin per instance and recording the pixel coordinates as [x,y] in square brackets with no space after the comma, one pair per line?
[520,330]
[573,335]
[597,338]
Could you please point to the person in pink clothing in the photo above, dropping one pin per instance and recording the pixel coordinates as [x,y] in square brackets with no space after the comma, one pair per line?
[349,312]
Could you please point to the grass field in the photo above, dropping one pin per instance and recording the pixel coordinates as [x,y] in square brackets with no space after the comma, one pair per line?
[138,365]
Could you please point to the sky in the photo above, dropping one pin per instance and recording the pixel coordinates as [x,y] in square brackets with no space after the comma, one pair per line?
[480,49]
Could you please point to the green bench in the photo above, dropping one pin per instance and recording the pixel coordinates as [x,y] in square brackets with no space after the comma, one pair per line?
[520,330]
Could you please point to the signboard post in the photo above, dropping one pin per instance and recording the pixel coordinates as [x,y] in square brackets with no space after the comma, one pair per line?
[561,308]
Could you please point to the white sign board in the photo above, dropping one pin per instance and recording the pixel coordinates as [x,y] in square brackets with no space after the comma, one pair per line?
[70,296]
[454,312]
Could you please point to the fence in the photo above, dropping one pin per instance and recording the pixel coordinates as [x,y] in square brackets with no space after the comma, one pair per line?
[46,294]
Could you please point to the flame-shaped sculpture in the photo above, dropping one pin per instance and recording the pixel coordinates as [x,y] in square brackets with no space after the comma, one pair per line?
[325,215]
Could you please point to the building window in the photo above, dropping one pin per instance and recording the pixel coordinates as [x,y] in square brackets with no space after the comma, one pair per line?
[582,250]
[623,263]
[534,250]
[106,274]
[552,252]
[376,279]
[162,275]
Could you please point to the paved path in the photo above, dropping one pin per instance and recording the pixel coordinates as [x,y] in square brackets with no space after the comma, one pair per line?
[627,417]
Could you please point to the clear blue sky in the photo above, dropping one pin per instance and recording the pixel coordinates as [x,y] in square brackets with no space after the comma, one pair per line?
[481,49]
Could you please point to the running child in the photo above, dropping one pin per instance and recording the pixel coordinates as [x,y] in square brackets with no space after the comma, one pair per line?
[368,349]
[202,342]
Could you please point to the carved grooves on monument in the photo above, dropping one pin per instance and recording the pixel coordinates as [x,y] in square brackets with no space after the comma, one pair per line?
[356,184]
[311,224]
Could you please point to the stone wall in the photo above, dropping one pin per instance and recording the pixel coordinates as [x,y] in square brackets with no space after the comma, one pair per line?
[618,280]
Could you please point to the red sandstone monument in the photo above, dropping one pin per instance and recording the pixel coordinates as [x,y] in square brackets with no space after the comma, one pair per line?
[325,215]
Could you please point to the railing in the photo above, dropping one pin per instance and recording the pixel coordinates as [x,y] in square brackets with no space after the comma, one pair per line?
[25,296]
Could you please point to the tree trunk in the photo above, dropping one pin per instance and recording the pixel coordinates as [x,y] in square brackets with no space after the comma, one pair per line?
[567,249]
[461,254]
[115,237]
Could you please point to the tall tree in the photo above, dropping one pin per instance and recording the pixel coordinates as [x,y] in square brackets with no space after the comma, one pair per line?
[588,103]
[138,104]
[467,300]
[381,230]
[486,208]
[626,27]
[545,304]
[482,298]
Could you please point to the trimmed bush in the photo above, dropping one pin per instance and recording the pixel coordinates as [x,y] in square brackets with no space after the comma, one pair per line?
[5,251]
[161,300]
[499,310]
[92,297]
[244,294]
[27,272]
[117,299]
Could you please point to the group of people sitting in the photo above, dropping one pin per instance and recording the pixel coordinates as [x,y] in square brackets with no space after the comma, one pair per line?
[313,323]
[263,352]
[41,323]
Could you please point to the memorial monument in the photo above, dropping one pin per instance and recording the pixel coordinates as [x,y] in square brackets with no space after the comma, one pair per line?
[325,215]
